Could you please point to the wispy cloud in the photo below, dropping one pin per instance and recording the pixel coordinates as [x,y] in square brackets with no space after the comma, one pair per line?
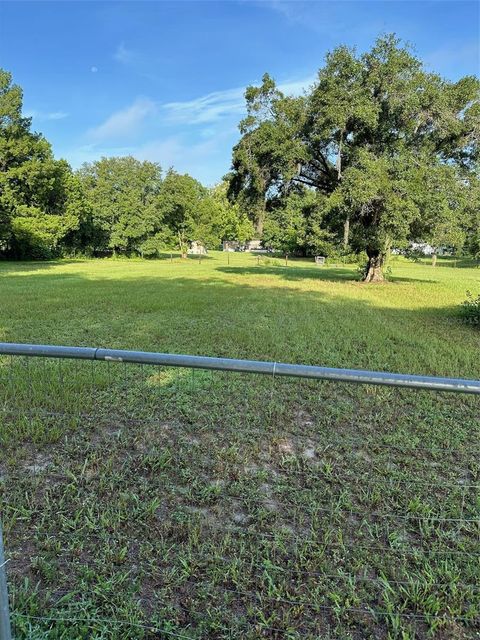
[124,55]
[221,104]
[176,150]
[125,122]
[45,115]
[320,17]
[206,160]
[297,87]
[334,20]
[208,108]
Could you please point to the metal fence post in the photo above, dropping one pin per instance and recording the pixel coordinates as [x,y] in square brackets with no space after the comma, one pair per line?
[5,628]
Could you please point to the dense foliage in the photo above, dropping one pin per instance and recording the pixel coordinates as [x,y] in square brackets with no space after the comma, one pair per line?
[41,200]
[111,206]
[379,152]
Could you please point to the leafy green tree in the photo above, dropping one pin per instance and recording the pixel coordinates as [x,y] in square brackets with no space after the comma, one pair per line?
[179,204]
[39,200]
[473,240]
[442,197]
[220,220]
[375,196]
[285,224]
[153,246]
[362,136]
[339,102]
[295,223]
[122,194]
[471,221]
[267,157]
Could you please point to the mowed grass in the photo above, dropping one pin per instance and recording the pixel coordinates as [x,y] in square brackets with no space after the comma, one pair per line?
[159,503]
[300,313]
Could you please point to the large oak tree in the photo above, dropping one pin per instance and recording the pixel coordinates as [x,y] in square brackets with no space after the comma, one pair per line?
[381,137]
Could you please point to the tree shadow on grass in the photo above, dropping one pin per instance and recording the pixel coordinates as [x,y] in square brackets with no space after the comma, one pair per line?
[221,317]
[293,272]
[331,274]
[7,266]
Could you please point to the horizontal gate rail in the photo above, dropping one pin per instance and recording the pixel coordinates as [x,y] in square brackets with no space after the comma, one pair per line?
[360,376]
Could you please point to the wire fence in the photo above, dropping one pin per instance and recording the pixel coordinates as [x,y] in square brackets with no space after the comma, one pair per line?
[145,496]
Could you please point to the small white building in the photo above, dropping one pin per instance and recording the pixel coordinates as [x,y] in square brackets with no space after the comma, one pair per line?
[197,249]
[253,245]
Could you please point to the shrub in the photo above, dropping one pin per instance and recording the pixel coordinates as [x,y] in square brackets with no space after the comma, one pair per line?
[470,309]
[415,255]
[347,258]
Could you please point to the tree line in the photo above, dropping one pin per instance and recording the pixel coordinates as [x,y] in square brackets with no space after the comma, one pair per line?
[376,154]
[116,205]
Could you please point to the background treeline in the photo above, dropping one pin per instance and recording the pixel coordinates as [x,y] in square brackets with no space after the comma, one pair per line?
[131,208]
[376,154]
[113,205]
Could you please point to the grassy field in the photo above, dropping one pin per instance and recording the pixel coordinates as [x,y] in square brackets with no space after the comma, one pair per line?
[157,503]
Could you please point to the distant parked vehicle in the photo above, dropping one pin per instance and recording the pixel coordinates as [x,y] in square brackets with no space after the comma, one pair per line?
[428,250]
[253,246]
[230,245]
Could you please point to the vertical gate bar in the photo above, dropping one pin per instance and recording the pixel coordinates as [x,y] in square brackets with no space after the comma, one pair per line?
[5,628]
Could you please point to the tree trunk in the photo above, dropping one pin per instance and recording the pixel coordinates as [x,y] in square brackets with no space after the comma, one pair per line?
[339,156]
[182,245]
[346,225]
[346,232]
[374,271]
[259,224]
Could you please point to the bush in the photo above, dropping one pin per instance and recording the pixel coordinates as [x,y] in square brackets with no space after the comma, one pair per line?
[470,309]
[415,255]
[347,258]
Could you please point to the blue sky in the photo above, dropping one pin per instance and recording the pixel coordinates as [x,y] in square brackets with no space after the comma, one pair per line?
[164,81]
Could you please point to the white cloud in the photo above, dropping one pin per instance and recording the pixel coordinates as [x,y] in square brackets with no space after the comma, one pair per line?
[46,115]
[297,87]
[208,108]
[125,122]
[219,104]
[194,136]
[124,55]
[321,17]
[206,160]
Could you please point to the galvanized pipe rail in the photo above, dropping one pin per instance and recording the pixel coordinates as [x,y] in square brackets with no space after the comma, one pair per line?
[359,376]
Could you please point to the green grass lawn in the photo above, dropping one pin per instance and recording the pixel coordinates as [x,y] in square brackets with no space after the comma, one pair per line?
[159,503]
